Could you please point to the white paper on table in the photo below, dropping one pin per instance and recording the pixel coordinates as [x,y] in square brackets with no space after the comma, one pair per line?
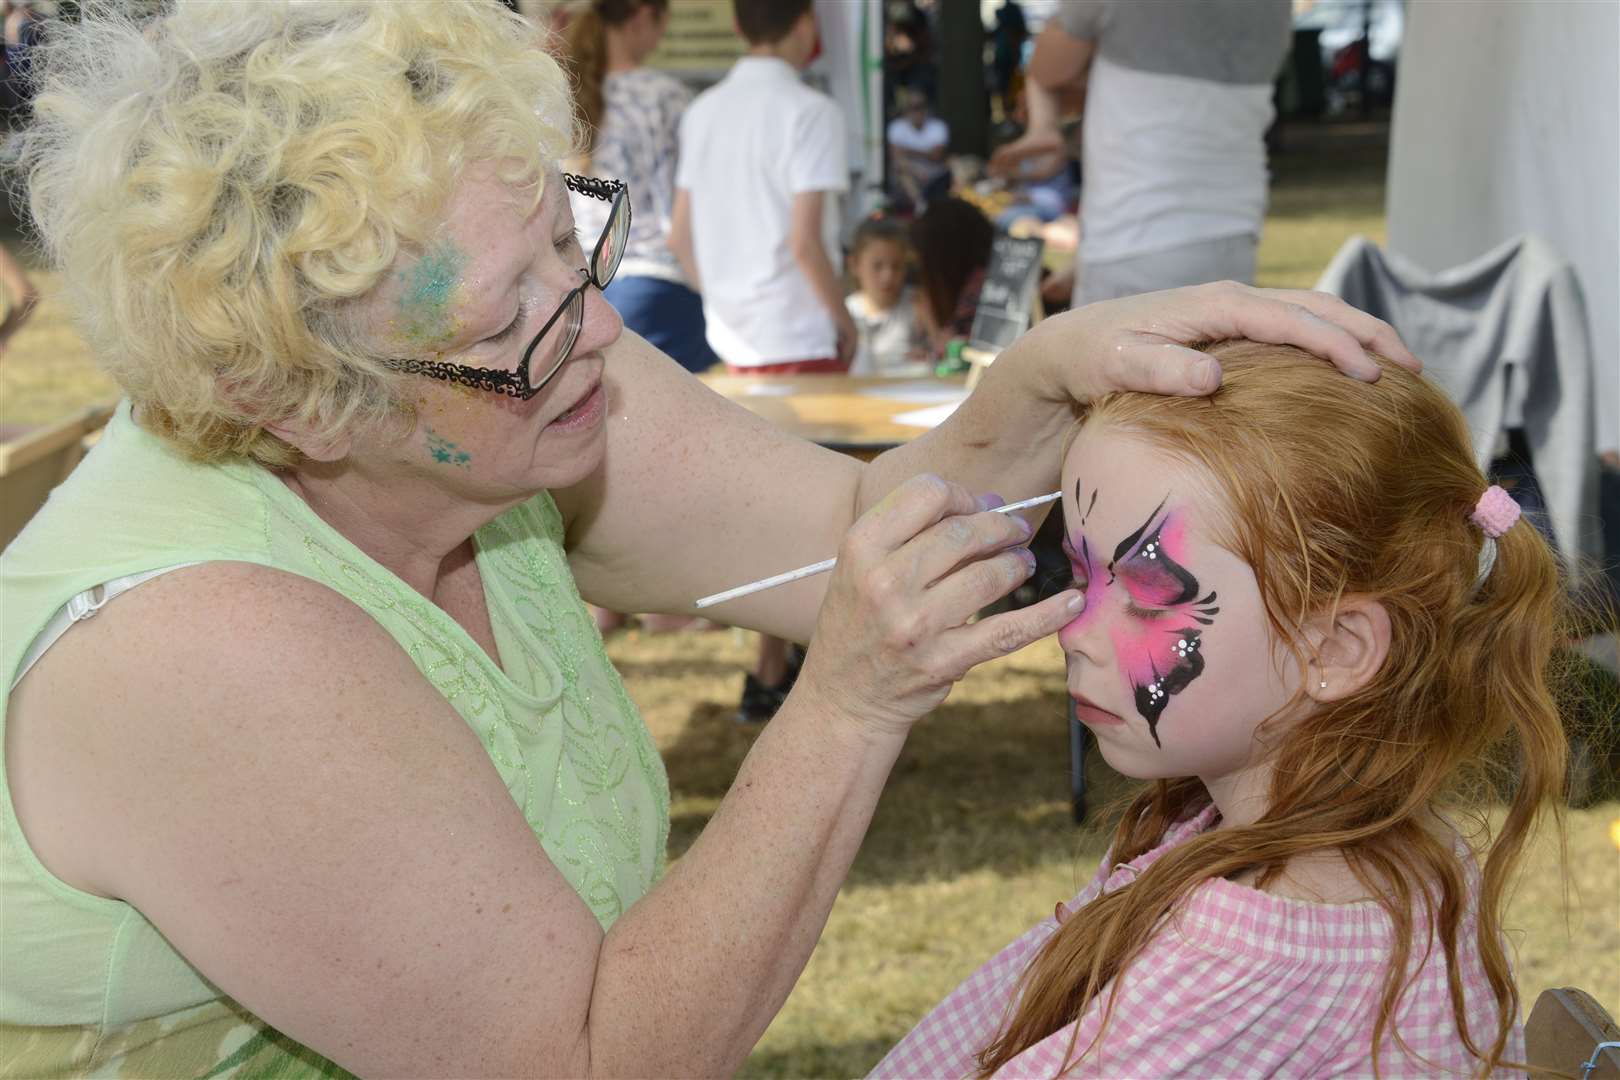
[767,390]
[930,417]
[917,393]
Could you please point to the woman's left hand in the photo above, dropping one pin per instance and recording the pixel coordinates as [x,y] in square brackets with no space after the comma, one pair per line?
[1142,342]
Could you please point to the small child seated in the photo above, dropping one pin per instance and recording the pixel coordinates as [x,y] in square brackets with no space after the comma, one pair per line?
[1310,623]
[890,339]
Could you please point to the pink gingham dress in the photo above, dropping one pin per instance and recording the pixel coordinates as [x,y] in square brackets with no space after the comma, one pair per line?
[1240,983]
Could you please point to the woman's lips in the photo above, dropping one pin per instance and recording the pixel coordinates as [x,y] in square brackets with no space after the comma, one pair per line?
[584,412]
[1087,713]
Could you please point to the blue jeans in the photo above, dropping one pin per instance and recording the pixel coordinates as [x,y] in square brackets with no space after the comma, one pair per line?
[667,314]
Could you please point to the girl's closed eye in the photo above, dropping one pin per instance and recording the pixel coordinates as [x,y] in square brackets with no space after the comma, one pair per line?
[1137,611]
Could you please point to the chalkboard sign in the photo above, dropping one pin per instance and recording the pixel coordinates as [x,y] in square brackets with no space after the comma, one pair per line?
[1008,296]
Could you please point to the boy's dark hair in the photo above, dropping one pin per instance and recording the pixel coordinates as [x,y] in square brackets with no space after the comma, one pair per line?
[874,229]
[765,22]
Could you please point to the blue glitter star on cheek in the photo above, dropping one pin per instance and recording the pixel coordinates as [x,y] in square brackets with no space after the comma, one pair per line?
[445,452]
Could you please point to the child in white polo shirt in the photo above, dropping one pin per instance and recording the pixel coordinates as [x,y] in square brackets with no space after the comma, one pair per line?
[760,154]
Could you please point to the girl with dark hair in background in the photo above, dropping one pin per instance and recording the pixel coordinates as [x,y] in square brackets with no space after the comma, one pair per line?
[952,240]
[630,115]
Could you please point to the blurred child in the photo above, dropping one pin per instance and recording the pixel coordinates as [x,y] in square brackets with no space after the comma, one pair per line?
[884,310]
[1311,624]
[762,164]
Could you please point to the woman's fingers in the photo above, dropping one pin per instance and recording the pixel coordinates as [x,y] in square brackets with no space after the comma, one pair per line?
[1010,631]
[955,598]
[1372,332]
[959,540]
[1145,341]
[1161,367]
[900,515]
[1226,309]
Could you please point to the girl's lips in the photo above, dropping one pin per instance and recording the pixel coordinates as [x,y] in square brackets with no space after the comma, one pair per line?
[1087,713]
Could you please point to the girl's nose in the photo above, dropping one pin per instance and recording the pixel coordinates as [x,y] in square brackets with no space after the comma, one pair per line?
[1086,637]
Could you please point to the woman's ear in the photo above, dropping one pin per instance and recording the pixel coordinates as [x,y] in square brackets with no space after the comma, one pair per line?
[1351,644]
[297,435]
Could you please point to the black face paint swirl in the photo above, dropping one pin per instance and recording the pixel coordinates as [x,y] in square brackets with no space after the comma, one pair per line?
[1159,662]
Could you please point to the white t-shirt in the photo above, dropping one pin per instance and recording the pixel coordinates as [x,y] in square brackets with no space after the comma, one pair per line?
[1176,113]
[749,144]
[930,137]
[887,338]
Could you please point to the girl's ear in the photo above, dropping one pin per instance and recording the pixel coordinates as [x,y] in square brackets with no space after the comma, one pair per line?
[1350,644]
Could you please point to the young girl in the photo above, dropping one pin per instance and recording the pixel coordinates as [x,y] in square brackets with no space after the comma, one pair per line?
[882,306]
[1310,622]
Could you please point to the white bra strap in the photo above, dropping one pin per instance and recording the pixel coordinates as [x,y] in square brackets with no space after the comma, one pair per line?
[82,607]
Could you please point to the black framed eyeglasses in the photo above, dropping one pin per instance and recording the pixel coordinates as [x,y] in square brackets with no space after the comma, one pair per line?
[550,347]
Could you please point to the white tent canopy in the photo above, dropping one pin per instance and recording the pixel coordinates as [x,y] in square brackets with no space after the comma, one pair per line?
[1507,121]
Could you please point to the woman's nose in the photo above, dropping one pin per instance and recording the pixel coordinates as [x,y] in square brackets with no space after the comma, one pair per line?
[601,325]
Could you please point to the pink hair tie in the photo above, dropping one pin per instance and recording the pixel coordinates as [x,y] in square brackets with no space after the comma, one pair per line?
[1495,513]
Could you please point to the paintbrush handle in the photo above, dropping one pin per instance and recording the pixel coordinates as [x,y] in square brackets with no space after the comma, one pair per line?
[827,564]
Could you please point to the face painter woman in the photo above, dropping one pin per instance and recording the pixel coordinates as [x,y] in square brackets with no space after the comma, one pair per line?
[313,760]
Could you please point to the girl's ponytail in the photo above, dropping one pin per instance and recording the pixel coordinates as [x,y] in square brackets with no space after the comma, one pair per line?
[1503,669]
[586,38]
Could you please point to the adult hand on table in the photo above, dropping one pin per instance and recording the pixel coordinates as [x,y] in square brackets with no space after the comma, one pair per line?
[894,634]
[1145,342]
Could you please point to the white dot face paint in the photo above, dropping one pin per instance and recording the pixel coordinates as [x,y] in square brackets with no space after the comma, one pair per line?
[1172,664]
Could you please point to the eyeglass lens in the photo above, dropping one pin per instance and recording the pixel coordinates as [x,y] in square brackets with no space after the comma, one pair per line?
[553,349]
[611,249]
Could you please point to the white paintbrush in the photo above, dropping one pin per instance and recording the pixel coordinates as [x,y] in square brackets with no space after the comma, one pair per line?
[827,564]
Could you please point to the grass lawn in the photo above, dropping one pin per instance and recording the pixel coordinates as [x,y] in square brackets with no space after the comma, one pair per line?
[973,842]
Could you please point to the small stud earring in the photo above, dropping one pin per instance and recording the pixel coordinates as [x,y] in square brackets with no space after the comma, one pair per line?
[1324,684]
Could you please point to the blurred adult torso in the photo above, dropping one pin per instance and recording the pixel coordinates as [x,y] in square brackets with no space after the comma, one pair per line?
[1178,102]
[637,142]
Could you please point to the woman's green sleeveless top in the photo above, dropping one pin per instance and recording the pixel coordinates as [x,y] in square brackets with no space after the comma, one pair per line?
[87,986]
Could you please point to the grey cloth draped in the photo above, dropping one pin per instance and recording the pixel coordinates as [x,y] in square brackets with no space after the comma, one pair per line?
[1506,336]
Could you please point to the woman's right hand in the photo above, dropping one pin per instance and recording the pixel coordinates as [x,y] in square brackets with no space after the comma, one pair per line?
[894,633]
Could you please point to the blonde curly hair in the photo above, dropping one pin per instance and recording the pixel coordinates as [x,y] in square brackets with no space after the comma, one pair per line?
[219,183]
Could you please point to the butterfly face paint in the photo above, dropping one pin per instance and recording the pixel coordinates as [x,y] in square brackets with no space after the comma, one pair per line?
[1157,641]
[1174,664]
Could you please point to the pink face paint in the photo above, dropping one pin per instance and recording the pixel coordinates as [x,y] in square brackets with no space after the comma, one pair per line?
[1157,640]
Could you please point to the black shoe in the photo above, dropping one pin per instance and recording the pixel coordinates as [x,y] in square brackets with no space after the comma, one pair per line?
[760,702]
